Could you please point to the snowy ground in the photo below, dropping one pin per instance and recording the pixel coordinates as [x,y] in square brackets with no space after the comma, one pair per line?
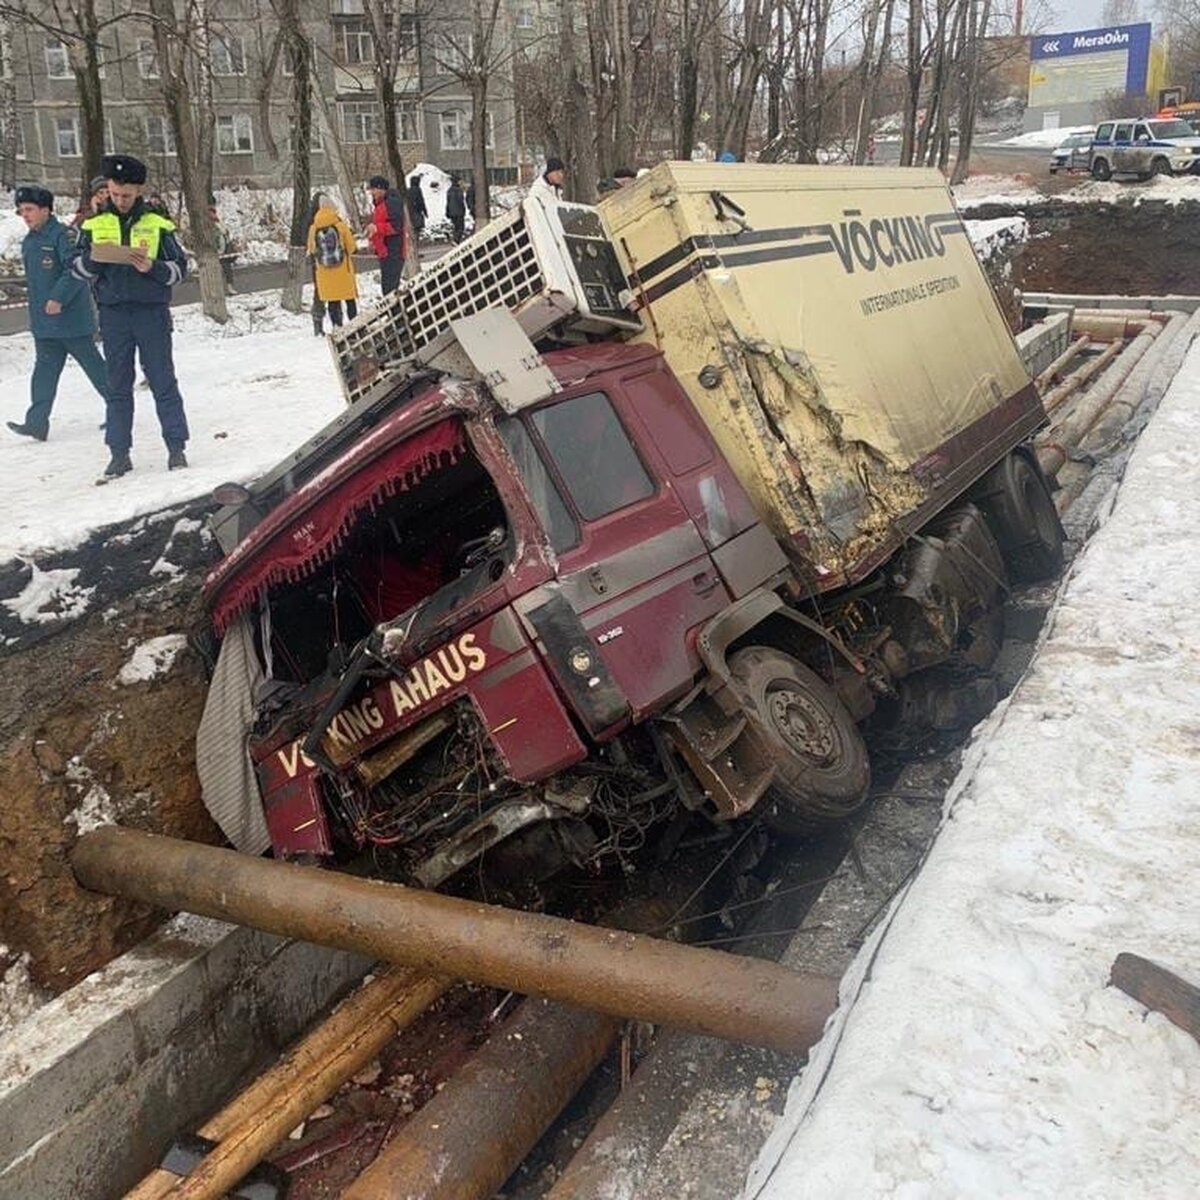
[979,190]
[1046,139]
[978,1051]
[254,389]
[997,235]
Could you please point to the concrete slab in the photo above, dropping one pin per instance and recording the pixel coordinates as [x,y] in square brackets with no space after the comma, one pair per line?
[94,1085]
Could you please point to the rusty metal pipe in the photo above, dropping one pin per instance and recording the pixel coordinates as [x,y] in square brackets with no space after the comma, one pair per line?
[474,1133]
[623,974]
[1055,398]
[1077,347]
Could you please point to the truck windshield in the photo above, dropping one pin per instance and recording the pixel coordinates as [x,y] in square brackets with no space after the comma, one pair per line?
[1170,129]
[418,538]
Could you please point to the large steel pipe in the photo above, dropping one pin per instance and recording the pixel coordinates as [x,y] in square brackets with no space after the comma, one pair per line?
[623,974]
[474,1133]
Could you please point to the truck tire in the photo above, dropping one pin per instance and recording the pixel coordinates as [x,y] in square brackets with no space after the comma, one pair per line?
[1016,500]
[1160,166]
[1101,170]
[822,772]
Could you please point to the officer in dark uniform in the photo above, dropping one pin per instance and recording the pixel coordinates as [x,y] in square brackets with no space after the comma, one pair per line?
[131,257]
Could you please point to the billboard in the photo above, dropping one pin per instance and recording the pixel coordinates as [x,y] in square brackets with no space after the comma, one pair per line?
[1086,64]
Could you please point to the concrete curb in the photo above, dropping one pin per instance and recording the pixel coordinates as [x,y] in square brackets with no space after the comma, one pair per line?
[94,1085]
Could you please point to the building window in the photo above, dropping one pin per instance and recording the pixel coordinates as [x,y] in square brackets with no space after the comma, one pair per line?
[524,18]
[454,52]
[408,120]
[353,46]
[452,128]
[228,55]
[455,130]
[147,58]
[235,134]
[408,38]
[360,124]
[316,141]
[160,137]
[346,8]
[58,64]
[66,133]
[110,146]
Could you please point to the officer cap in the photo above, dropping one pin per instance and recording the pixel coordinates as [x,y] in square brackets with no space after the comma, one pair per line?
[123,168]
[32,193]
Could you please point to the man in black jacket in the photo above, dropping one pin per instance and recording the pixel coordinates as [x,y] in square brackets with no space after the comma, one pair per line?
[130,256]
[456,209]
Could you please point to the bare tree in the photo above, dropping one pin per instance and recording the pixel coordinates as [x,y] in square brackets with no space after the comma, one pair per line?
[751,52]
[185,69]
[9,129]
[298,51]
[870,70]
[579,137]
[393,39]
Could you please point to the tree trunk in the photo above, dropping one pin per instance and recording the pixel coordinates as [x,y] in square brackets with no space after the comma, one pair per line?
[193,131]
[478,89]
[737,123]
[622,86]
[913,70]
[8,106]
[296,47]
[84,55]
[977,24]
[870,71]
[579,134]
[687,95]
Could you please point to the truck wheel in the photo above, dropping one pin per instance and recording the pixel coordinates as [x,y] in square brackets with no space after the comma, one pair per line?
[822,771]
[1101,170]
[1022,515]
[1160,166]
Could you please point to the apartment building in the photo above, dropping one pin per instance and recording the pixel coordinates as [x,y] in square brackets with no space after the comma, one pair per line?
[251,86]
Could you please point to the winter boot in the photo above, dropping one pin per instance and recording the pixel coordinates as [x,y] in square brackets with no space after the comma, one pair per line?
[24,430]
[120,464]
[176,459]
[319,326]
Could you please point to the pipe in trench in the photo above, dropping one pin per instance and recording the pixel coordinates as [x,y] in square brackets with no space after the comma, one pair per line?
[622,974]
[1058,395]
[1077,347]
[261,1116]
[472,1135]
[1070,429]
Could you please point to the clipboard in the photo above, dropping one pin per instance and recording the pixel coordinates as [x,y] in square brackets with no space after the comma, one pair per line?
[110,252]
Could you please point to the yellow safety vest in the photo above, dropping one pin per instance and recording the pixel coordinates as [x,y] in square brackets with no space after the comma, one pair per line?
[146,231]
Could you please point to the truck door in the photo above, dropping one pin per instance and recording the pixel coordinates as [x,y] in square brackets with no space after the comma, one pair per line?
[637,576]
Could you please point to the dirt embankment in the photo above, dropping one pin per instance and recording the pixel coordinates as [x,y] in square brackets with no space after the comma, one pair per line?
[1146,248]
[79,742]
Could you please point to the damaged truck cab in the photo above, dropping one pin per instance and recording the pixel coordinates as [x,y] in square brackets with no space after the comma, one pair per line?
[718,533]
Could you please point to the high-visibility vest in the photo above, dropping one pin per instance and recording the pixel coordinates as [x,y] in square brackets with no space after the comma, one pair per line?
[146,231]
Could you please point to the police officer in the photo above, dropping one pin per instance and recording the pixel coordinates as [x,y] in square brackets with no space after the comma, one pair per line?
[61,317]
[131,257]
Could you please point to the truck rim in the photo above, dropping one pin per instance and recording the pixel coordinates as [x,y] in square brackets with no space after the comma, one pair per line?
[803,724]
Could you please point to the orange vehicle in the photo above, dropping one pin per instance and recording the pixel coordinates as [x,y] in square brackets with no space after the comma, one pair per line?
[1189,112]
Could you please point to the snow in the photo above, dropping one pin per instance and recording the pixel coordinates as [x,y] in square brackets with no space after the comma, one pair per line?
[254,389]
[152,658]
[978,190]
[978,1050]
[997,235]
[50,596]
[1172,189]
[1046,139]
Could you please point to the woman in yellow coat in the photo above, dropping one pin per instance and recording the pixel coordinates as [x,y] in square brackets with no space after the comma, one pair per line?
[331,247]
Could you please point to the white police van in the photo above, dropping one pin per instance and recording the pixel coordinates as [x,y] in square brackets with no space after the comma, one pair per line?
[1144,147]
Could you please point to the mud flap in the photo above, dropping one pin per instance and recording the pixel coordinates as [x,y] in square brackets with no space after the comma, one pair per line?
[575,662]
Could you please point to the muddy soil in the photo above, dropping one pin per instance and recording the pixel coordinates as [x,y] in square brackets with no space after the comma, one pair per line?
[78,745]
[1143,248]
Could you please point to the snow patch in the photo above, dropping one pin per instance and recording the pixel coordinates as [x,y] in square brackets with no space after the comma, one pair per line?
[152,658]
[996,237]
[50,596]
[1046,139]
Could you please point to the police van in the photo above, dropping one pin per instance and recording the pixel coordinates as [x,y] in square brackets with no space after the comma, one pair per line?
[1144,147]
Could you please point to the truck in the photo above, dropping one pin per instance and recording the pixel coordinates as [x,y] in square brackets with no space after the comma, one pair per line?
[636,513]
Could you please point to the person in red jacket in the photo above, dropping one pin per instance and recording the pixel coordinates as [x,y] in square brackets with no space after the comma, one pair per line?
[386,231]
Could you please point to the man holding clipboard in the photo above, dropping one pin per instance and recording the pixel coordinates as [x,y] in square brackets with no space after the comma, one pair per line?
[131,257]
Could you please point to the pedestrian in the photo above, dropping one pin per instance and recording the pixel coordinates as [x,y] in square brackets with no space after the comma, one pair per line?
[418,212]
[456,209]
[226,252]
[549,184]
[331,246]
[624,176]
[133,260]
[97,199]
[61,317]
[386,232]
